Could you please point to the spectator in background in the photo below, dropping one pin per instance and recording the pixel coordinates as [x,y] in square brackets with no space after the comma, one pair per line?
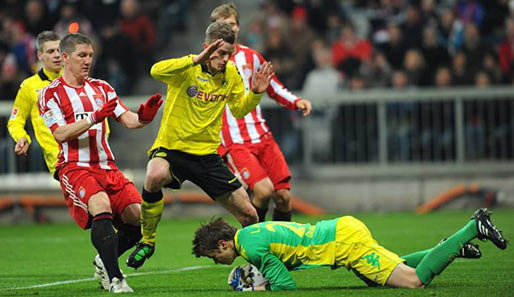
[278,52]
[10,79]
[429,14]
[116,59]
[443,77]
[412,27]
[460,73]
[469,11]
[323,79]
[377,71]
[21,45]
[394,49]
[506,51]
[35,17]
[334,24]
[357,82]
[414,67]
[72,22]
[300,37]
[435,55]
[255,37]
[474,48]
[451,31]
[172,17]
[491,66]
[350,51]
[141,31]
[482,80]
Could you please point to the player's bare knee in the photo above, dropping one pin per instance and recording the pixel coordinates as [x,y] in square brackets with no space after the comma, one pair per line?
[155,179]
[249,217]
[131,214]
[99,203]
[282,199]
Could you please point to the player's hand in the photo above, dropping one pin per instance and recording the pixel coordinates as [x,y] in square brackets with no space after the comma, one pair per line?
[304,106]
[22,146]
[262,78]
[106,111]
[204,56]
[147,111]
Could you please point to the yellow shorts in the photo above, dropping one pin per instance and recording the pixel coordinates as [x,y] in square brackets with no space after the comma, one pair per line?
[356,249]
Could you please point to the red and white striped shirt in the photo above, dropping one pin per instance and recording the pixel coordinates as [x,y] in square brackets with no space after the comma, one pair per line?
[253,126]
[61,104]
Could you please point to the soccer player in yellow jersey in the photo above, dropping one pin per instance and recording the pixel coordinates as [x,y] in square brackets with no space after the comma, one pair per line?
[276,248]
[199,87]
[25,103]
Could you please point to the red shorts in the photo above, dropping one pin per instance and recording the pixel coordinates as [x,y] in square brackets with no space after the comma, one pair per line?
[79,184]
[255,161]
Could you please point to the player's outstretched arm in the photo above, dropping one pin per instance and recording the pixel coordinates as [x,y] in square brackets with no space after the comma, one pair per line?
[304,106]
[204,56]
[262,78]
[145,114]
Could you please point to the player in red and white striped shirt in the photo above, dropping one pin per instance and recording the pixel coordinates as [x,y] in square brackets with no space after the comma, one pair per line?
[247,145]
[97,194]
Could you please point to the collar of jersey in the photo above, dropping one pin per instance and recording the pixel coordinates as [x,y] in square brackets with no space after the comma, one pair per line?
[206,70]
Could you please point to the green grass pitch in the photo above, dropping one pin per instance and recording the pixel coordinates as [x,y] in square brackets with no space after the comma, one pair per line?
[56,260]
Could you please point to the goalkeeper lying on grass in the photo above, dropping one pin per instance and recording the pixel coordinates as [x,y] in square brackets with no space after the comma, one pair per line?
[275,248]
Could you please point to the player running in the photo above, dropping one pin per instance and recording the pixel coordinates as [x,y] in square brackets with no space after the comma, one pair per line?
[25,104]
[97,194]
[276,248]
[247,145]
[199,88]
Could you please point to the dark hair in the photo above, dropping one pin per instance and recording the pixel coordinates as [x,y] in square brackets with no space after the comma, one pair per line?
[70,41]
[219,30]
[44,37]
[207,236]
[224,11]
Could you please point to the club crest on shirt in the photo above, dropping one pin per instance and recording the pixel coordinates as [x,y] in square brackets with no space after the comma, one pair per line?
[192,91]
[82,192]
[245,173]
[98,100]
[247,71]
[14,113]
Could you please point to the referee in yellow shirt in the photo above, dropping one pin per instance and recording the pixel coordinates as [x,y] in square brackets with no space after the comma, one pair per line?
[25,103]
[199,87]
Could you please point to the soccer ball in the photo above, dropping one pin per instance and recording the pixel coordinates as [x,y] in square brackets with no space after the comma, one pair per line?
[252,276]
[244,277]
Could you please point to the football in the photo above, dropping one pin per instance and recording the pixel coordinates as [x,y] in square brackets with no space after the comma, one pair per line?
[252,276]
[245,277]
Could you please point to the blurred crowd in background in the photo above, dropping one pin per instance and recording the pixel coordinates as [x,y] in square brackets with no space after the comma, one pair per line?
[317,46]
[325,44]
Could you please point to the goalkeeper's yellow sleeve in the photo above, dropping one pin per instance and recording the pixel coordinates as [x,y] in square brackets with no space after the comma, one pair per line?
[151,213]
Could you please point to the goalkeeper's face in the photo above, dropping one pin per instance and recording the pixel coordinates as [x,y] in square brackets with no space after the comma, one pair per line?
[225,254]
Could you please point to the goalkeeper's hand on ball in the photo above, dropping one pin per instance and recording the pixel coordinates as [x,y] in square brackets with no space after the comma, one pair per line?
[237,282]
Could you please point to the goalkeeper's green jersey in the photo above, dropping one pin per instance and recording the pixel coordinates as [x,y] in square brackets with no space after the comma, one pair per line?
[195,101]
[277,247]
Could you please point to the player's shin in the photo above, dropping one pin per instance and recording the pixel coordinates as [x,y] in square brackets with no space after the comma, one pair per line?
[444,253]
[105,241]
[151,212]
[128,236]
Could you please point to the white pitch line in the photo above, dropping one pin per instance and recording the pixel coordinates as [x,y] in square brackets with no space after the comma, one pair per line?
[90,278]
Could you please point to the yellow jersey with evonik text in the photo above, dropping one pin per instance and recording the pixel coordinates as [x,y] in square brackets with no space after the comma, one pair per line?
[195,101]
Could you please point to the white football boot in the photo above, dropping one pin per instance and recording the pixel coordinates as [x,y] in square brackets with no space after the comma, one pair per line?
[119,286]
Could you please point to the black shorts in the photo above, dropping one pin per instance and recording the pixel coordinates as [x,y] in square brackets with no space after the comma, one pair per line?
[209,172]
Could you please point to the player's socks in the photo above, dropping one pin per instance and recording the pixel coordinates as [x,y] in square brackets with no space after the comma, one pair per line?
[105,241]
[443,254]
[281,215]
[128,236]
[151,212]
[261,212]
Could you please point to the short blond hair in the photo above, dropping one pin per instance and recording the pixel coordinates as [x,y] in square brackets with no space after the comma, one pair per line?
[44,37]
[219,30]
[224,11]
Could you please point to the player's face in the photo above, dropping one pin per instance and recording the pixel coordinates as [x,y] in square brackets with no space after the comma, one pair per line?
[79,61]
[231,20]
[219,59]
[224,255]
[50,56]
